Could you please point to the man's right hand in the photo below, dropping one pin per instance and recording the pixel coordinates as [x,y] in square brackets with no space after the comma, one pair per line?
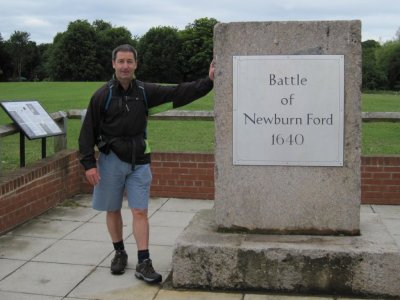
[92,176]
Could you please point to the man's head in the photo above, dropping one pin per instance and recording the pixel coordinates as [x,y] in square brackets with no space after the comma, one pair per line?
[124,48]
[124,61]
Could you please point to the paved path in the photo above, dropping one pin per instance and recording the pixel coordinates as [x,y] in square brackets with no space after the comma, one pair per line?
[66,252]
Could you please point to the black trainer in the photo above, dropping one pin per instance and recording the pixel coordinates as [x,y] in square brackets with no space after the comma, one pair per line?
[119,262]
[145,271]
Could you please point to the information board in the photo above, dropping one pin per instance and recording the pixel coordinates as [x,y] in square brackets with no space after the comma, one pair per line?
[288,110]
[31,117]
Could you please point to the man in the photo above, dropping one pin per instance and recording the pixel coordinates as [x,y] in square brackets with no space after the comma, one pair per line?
[116,122]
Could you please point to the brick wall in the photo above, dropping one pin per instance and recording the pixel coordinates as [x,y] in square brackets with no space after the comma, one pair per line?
[380,179]
[183,175]
[30,191]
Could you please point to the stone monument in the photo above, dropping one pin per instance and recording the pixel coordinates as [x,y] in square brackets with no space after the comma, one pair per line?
[287,168]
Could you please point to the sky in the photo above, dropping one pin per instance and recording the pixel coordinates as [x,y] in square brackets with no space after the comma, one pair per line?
[43,19]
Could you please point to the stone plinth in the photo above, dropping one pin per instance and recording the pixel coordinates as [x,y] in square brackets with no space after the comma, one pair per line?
[287,199]
[294,225]
[347,265]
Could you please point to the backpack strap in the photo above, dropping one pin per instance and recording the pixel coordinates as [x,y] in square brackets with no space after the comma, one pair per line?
[110,85]
[107,103]
[140,85]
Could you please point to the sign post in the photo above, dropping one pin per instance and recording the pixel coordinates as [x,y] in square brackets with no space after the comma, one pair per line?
[34,122]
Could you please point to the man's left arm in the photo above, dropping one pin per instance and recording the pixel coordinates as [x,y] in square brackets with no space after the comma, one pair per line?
[180,94]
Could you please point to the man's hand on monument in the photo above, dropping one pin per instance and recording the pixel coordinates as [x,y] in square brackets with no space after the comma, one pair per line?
[211,70]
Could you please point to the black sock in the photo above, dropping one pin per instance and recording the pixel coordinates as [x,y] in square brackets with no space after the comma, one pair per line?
[119,245]
[142,255]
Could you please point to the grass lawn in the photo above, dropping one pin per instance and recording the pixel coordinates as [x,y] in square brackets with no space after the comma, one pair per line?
[381,102]
[176,136]
[381,137]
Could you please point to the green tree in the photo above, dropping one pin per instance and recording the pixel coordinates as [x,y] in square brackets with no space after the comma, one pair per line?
[73,54]
[158,59]
[373,77]
[83,51]
[20,49]
[32,61]
[197,48]
[108,38]
[41,71]
[100,25]
[5,61]
[388,60]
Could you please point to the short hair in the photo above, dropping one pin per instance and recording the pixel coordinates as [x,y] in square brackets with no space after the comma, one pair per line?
[124,48]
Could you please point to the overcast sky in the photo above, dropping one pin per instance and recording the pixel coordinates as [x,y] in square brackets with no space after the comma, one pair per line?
[43,19]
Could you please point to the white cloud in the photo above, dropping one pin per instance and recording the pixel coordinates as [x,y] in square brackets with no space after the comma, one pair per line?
[35,22]
[44,18]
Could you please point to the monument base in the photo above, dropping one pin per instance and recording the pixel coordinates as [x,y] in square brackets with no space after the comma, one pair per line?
[367,265]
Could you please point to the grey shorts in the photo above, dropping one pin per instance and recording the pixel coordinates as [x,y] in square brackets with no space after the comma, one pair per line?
[116,177]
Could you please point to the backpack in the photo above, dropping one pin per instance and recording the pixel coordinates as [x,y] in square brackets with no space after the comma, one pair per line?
[104,143]
[140,86]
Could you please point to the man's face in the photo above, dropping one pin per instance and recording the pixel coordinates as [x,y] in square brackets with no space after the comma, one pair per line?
[124,65]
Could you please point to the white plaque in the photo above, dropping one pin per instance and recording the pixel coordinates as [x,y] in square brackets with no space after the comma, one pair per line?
[32,118]
[288,110]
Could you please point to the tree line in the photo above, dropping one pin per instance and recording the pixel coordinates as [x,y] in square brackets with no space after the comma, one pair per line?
[166,54]
[83,53]
[381,64]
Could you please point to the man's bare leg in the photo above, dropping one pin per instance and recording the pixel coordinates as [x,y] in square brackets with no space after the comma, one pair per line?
[140,228]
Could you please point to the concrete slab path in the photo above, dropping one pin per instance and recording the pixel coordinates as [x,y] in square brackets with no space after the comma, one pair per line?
[66,253]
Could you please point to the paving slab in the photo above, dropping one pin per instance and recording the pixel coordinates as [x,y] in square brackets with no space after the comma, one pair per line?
[94,232]
[52,229]
[83,200]
[100,284]
[69,266]
[23,247]
[387,211]
[82,214]
[76,252]
[7,266]
[161,257]
[366,209]
[284,297]
[171,218]
[397,239]
[196,295]
[393,225]
[175,204]
[47,279]
[164,236]
[22,296]
[156,203]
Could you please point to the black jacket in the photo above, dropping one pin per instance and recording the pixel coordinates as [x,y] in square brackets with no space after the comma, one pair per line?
[126,116]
